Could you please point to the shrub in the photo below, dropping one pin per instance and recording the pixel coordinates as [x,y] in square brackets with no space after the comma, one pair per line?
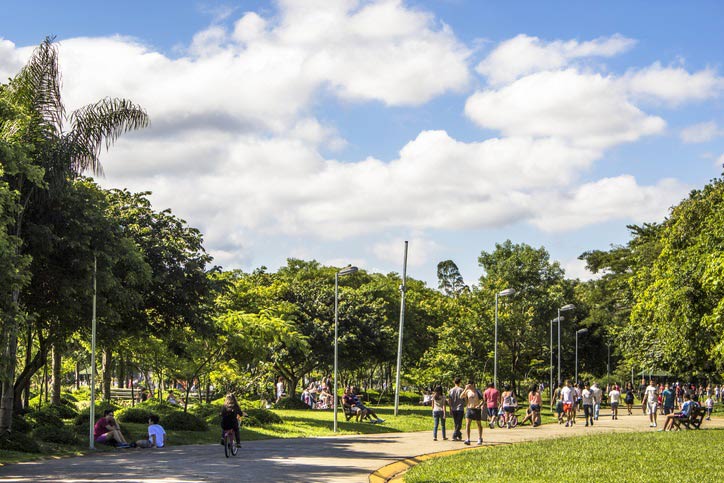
[62,411]
[45,416]
[184,421]
[162,408]
[291,403]
[66,399]
[52,434]
[21,425]
[207,412]
[264,416]
[134,415]
[82,417]
[15,441]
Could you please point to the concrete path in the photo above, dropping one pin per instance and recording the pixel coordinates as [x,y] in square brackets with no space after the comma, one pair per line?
[333,459]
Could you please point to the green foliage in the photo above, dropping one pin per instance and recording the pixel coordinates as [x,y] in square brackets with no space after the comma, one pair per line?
[134,415]
[162,408]
[21,425]
[45,416]
[264,416]
[291,403]
[183,421]
[84,415]
[15,441]
[208,412]
[53,434]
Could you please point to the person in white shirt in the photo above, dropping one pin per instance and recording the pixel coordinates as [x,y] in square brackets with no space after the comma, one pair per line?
[614,396]
[587,398]
[280,389]
[709,404]
[597,397]
[651,396]
[567,398]
[156,435]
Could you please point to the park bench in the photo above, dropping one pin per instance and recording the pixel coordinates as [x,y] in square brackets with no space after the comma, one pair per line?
[349,411]
[693,421]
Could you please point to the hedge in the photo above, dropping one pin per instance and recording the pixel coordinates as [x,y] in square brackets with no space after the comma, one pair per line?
[184,421]
[15,441]
[53,434]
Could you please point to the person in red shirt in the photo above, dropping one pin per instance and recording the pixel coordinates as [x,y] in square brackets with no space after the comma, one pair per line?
[107,431]
[491,396]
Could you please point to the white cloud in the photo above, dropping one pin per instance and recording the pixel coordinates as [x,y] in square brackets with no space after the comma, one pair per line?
[618,198]
[523,55]
[576,268]
[673,85]
[583,109]
[11,59]
[702,132]
[419,251]
[719,162]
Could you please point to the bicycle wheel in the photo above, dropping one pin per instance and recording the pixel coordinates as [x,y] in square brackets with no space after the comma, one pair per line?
[501,421]
[513,420]
[228,443]
[234,448]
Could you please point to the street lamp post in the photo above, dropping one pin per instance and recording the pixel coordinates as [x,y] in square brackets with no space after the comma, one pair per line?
[502,293]
[550,387]
[565,308]
[578,332]
[91,414]
[340,273]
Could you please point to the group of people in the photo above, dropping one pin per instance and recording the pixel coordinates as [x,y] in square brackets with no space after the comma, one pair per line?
[569,399]
[317,395]
[469,403]
[107,431]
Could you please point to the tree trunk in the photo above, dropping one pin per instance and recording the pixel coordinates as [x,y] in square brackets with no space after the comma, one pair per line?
[121,375]
[107,373]
[7,366]
[77,376]
[30,369]
[57,361]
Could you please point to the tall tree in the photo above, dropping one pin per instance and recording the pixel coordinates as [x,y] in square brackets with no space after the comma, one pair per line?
[58,155]
[449,279]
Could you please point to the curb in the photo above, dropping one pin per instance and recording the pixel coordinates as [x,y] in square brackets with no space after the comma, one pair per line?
[394,472]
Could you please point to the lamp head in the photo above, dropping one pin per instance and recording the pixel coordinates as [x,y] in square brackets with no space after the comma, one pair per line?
[566,308]
[347,271]
[581,331]
[506,292]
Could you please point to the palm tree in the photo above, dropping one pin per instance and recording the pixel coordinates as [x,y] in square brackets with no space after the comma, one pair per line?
[64,147]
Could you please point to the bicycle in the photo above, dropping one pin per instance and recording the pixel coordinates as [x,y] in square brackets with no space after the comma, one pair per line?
[230,443]
[508,419]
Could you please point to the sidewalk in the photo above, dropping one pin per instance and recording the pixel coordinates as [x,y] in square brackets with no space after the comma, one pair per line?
[332,459]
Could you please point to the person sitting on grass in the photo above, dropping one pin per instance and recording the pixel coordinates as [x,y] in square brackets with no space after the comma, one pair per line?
[683,414]
[107,431]
[230,414]
[367,412]
[156,435]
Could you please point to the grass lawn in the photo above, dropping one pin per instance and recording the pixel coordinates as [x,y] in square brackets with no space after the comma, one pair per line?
[634,457]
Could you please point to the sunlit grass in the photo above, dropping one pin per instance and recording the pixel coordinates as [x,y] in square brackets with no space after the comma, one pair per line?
[592,457]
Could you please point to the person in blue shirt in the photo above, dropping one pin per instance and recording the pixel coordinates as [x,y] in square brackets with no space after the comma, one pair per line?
[668,400]
[683,414]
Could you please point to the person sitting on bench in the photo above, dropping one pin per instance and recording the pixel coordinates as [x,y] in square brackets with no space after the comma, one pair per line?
[683,414]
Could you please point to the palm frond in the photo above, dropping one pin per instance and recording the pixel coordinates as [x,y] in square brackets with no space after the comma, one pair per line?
[97,124]
[37,86]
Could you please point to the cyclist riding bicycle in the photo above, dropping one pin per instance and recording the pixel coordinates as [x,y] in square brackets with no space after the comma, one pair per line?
[230,414]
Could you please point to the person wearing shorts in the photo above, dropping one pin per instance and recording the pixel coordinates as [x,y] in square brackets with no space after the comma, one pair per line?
[651,395]
[567,396]
[614,396]
[107,431]
[473,410]
[491,396]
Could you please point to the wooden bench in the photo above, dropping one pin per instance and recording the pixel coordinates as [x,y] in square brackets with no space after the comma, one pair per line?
[694,420]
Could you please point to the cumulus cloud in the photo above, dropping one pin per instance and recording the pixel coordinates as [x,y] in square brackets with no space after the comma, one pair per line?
[576,268]
[673,85]
[420,250]
[702,132]
[524,55]
[583,109]
[616,198]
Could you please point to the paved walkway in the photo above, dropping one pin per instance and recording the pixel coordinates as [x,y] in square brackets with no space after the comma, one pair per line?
[333,459]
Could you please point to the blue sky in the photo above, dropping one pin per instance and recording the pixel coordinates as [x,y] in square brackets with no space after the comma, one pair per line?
[335,130]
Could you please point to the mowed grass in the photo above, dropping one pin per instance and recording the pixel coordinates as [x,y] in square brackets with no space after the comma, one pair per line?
[691,455]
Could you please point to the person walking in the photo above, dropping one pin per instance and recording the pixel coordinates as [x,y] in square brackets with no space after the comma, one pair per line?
[535,401]
[629,398]
[614,396]
[473,412]
[457,409]
[597,399]
[651,395]
[567,396]
[439,412]
[587,399]
[491,397]
[667,400]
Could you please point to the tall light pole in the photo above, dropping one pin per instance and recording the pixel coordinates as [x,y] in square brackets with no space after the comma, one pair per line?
[339,273]
[550,387]
[578,332]
[403,289]
[565,308]
[91,415]
[502,293]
